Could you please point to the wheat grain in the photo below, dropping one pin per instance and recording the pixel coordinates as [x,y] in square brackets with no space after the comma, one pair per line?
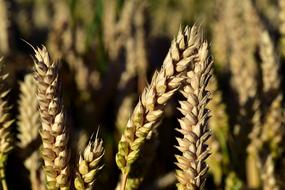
[53,131]
[148,112]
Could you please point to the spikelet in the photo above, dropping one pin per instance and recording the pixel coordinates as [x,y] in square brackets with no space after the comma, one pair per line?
[194,125]
[53,131]
[89,164]
[29,125]
[6,138]
[148,112]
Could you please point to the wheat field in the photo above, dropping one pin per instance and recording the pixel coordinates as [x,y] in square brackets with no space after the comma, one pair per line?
[142,94]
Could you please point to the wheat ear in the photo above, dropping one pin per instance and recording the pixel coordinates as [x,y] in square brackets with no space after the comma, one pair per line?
[53,132]
[28,125]
[148,112]
[6,138]
[89,164]
[194,125]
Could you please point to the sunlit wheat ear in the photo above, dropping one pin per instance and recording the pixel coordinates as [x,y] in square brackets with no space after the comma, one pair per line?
[269,64]
[53,131]
[89,164]
[192,168]
[149,110]
[28,125]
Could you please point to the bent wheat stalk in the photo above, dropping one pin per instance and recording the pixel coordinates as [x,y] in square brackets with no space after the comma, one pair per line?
[53,132]
[148,112]
[194,125]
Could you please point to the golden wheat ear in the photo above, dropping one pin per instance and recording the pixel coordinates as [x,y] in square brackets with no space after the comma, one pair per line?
[89,164]
[6,137]
[28,125]
[149,110]
[194,125]
[53,130]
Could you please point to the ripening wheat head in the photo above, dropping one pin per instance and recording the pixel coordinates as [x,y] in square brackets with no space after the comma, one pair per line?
[28,125]
[89,164]
[53,132]
[192,167]
[148,112]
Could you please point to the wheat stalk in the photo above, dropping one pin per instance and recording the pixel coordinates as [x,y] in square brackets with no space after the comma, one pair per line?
[53,132]
[194,124]
[89,164]
[28,126]
[6,137]
[148,112]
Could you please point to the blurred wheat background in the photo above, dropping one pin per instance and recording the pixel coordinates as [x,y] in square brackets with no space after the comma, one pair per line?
[105,53]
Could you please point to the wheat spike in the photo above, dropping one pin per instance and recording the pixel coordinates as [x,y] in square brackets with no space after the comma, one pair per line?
[89,164]
[6,137]
[148,112]
[242,63]
[53,131]
[269,66]
[194,125]
[28,126]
